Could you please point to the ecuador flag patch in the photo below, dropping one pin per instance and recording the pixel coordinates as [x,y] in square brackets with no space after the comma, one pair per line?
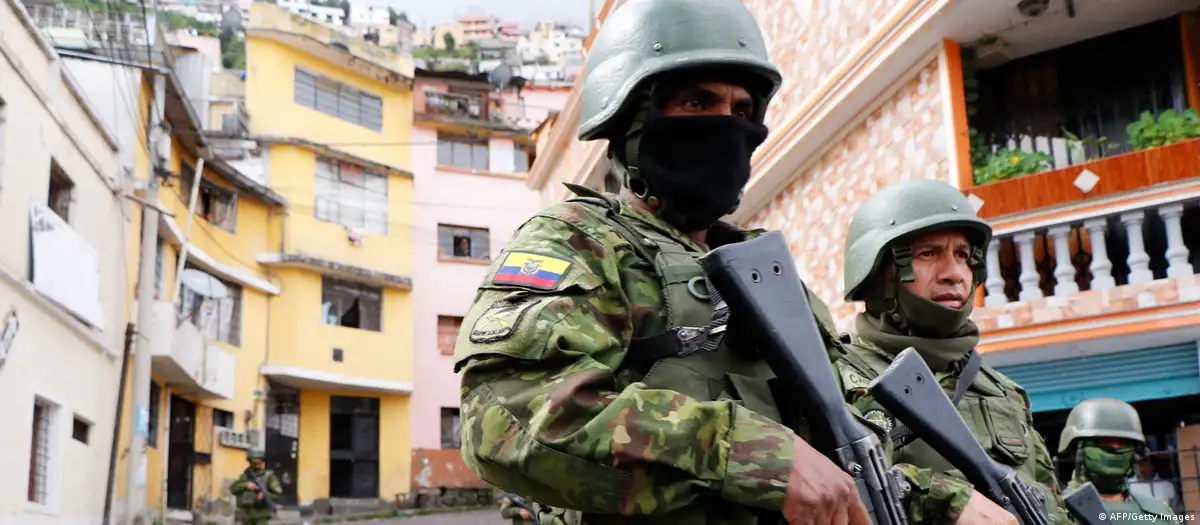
[531,270]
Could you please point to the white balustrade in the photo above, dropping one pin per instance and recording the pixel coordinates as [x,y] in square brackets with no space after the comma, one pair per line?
[1059,233]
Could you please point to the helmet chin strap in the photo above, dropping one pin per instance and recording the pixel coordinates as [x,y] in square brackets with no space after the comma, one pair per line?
[902,272]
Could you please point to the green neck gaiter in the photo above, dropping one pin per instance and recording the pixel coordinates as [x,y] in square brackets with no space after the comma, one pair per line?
[941,335]
[1108,471]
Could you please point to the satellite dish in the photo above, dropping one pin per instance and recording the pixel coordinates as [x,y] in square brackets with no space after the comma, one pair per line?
[203,284]
[500,76]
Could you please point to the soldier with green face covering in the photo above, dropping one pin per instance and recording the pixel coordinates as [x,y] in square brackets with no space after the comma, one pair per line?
[914,255]
[1106,437]
[598,382]
[252,507]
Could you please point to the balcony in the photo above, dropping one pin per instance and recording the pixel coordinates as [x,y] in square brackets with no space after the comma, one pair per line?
[184,359]
[1096,262]
[1096,118]
[460,111]
[455,105]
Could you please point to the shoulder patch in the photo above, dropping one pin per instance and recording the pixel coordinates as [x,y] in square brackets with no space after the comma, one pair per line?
[880,419]
[531,270]
[500,320]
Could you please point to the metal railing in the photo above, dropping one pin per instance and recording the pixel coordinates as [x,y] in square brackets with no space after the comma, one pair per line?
[455,105]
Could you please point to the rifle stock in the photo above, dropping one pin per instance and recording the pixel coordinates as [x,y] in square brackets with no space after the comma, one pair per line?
[757,280]
[910,391]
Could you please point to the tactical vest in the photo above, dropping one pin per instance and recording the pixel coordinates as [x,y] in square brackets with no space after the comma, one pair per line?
[1150,510]
[680,363]
[993,408]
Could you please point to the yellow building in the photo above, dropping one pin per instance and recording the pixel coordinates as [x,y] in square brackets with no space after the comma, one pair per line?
[332,119]
[206,393]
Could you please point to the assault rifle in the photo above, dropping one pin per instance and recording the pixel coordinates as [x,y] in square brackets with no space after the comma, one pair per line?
[910,391]
[756,280]
[261,488]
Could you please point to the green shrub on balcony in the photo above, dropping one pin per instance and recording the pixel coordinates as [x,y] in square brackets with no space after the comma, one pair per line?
[1170,127]
[1012,163]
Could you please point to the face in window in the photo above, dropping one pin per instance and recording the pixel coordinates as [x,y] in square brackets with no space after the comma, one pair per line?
[462,247]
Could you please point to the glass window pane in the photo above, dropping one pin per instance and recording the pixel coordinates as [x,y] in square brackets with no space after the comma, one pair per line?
[462,155]
[445,153]
[479,244]
[327,96]
[377,183]
[479,157]
[520,160]
[352,174]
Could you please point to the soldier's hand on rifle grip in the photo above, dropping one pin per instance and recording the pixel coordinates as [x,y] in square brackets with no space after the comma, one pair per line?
[250,485]
[819,492]
[982,511]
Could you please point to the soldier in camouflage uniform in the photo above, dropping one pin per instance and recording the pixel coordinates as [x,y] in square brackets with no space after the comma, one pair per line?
[251,508]
[592,378]
[914,255]
[1106,436]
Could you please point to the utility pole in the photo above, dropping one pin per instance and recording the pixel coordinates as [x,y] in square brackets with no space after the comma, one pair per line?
[159,147]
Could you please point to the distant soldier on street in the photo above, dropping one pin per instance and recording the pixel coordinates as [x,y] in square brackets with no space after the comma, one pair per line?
[252,508]
[1105,436]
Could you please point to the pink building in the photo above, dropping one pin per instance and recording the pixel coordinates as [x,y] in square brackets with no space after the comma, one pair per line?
[472,149]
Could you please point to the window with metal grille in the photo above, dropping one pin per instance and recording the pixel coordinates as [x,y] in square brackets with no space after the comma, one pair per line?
[1092,89]
[339,100]
[352,196]
[463,242]
[451,428]
[350,304]
[462,152]
[219,319]
[448,327]
[61,189]
[40,451]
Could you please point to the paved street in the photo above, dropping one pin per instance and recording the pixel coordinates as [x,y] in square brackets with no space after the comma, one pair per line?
[485,517]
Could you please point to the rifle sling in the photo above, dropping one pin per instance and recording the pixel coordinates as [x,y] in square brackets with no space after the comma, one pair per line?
[901,435]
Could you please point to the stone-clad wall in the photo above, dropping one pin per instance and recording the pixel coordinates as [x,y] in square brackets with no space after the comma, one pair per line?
[904,138]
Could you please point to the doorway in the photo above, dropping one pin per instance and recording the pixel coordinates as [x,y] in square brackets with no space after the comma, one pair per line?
[353,447]
[181,454]
[283,438]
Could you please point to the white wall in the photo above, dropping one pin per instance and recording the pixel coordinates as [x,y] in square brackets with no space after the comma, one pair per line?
[54,356]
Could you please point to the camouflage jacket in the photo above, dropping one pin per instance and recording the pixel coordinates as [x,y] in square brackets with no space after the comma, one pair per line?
[552,411]
[995,408]
[248,503]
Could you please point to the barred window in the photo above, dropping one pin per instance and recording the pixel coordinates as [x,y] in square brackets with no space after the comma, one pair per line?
[40,452]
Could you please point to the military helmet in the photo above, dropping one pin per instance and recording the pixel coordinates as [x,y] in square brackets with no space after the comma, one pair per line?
[255,453]
[900,211]
[645,38]
[1100,418]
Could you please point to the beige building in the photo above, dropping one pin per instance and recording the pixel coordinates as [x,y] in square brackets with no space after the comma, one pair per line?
[62,285]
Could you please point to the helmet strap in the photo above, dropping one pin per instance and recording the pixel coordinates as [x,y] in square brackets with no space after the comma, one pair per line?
[902,273]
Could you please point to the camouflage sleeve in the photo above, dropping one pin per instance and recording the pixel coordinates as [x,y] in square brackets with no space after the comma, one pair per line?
[239,486]
[936,498]
[274,486]
[544,416]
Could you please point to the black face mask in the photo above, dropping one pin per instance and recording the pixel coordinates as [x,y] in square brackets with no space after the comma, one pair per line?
[697,165]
